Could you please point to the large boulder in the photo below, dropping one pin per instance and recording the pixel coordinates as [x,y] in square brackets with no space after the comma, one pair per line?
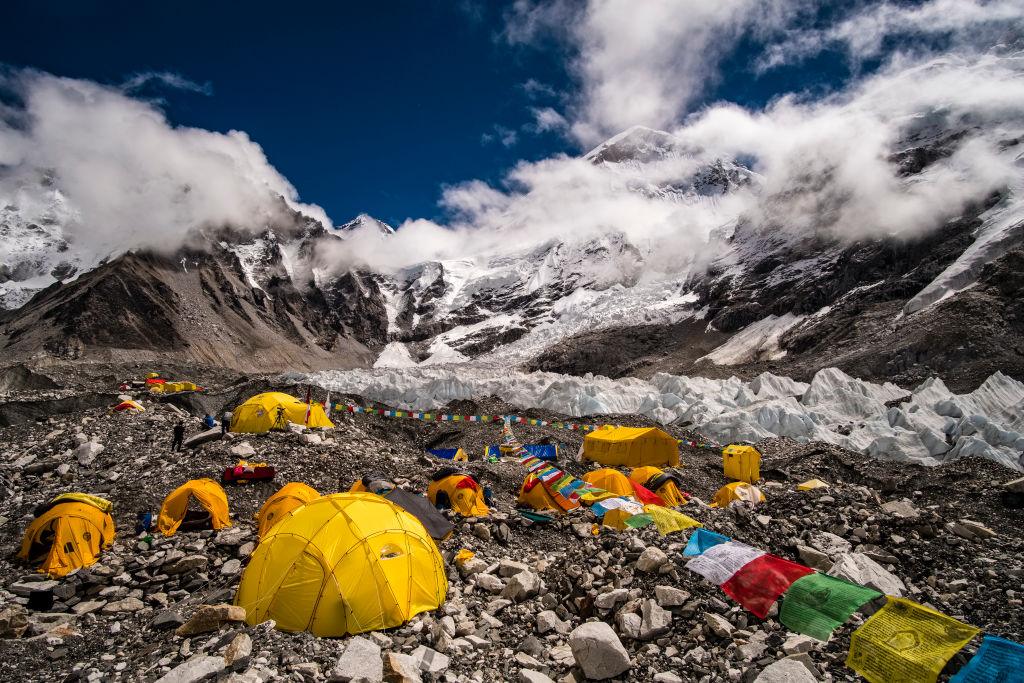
[859,568]
[195,669]
[361,660]
[598,651]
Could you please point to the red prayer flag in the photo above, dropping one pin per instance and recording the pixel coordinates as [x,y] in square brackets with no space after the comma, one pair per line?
[646,496]
[760,582]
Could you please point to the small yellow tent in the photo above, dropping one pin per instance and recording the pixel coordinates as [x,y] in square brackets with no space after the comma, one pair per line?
[534,495]
[68,535]
[741,463]
[290,496]
[631,447]
[610,480]
[460,493]
[654,479]
[343,564]
[737,490]
[812,484]
[207,492]
[274,410]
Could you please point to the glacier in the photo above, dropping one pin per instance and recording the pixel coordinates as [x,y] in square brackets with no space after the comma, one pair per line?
[929,425]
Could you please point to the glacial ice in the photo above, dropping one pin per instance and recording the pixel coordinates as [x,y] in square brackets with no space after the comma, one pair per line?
[929,425]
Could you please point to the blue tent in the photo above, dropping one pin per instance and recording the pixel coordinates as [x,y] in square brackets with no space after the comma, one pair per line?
[449,454]
[547,452]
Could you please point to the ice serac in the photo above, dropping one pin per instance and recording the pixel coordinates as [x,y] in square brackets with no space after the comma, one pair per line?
[880,420]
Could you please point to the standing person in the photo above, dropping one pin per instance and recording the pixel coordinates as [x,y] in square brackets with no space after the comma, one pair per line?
[179,436]
[225,422]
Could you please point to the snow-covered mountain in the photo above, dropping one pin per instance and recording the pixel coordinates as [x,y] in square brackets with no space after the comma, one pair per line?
[757,296]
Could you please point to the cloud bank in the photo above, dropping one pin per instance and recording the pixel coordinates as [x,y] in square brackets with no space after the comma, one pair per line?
[134,180]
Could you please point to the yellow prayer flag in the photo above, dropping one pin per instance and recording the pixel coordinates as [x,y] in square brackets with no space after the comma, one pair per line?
[668,520]
[906,642]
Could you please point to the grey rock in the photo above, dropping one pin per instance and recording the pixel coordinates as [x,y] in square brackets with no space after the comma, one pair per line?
[858,568]
[901,509]
[598,651]
[125,605]
[667,596]
[785,671]
[611,598]
[167,619]
[530,676]
[629,624]
[195,669]
[814,558]
[361,660]
[651,559]
[718,624]
[548,620]
[655,621]
[490,583]
[430,661]
[522,586]
[237,652]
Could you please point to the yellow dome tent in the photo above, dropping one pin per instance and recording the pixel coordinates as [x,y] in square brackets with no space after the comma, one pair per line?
[630,447]
[662,483]
[274,410]
[742,463]
[343,564]
[737,490]
[534,495]
[288,497]
[207,493]
[69,534]
[610,480]
[459,492]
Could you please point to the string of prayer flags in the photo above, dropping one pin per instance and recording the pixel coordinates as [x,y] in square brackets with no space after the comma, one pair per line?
[906,642]
[817,604]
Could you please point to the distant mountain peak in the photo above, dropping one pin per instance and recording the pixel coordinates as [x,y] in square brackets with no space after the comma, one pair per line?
[639,143]
[364,220]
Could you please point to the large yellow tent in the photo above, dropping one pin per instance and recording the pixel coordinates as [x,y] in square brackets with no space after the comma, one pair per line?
[534,495]
[207,493]
[288,497]
[610,480]
[631,447]
[343,563]
[459,492]
[274,410]
[737,490]
[742,463]
[662,483]
[70,534]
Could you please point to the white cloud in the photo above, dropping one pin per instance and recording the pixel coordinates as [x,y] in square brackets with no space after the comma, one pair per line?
[964,23]
[506,137]
[547,119]
[134,179]
[640,63]
[172,80]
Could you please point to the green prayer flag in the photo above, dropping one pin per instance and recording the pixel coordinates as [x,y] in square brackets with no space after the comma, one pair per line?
[637,521]
[817,604]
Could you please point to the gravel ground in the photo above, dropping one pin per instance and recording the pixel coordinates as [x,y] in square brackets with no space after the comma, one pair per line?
[490,629]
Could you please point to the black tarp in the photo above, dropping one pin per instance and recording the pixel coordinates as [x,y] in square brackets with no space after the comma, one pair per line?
[436,524]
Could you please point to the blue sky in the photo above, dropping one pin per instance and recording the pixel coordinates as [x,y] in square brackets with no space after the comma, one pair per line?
[369,107]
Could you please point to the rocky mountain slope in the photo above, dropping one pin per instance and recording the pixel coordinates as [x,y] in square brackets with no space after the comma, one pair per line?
[772,298]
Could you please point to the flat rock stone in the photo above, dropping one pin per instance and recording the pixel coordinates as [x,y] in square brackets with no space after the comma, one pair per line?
[210,618]
[651,559]
[548,620]
[859,568]
[901,509]
[195,669]
[530,676]
[125,605]
[654,621]
[785,671]
[598,651]
[718,624]
[361,660]
[430,661]
[667,596]
[400,668]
